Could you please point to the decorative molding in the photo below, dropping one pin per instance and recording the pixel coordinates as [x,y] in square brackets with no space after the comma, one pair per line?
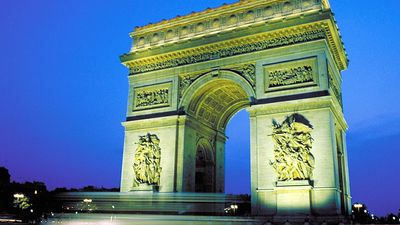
[152,96]
[147,161]
[240,14]
[292,149]
[335,88]
[237,47]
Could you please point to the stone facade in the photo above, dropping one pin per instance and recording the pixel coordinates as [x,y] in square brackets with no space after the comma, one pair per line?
[190,75]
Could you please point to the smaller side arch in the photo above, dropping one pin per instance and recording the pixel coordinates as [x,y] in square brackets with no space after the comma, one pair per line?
[205,167]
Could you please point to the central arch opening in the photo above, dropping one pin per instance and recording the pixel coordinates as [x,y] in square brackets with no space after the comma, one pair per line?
[237,154]
[212,103]
[217,101]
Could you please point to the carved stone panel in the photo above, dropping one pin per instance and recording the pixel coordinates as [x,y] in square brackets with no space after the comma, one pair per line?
[154,96]
[291,74]
[292,149]
[147,162]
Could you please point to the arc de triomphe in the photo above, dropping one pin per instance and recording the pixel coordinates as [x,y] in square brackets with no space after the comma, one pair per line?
[282,62]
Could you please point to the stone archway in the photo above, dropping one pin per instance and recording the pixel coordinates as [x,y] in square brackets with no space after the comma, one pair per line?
[216,96]
[209,103]
[205,167]
[187,83]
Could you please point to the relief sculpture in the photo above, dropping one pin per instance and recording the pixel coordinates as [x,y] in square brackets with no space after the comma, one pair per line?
[153,97]
[292,149]
[289,76]
[147,162]
[186,82]
[248,72]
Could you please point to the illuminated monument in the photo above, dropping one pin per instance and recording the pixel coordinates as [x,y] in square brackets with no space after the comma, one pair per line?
[282,62]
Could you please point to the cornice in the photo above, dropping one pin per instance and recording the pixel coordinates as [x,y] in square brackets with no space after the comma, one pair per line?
[149,123]
[233,16]
[282,37]
[220,10]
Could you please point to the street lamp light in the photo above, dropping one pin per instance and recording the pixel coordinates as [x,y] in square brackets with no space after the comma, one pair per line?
[234,207]
[358,206]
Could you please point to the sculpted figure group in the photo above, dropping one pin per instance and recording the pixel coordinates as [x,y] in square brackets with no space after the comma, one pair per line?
[149,98]
[147,160]
[290,76]
[293,142]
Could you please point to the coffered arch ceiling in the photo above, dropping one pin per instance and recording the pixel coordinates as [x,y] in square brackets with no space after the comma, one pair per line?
[216,102]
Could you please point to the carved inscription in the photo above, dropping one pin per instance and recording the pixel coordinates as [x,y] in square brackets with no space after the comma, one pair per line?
[290,76]
[292,150]
[231,51]
[147,162]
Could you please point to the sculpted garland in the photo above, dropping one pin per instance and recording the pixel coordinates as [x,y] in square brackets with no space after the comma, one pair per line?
[147,162]
[292,150]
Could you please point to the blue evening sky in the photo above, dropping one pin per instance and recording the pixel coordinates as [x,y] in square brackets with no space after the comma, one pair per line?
[64,93]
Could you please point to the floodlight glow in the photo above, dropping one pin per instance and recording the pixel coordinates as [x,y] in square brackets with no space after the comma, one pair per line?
[19,195]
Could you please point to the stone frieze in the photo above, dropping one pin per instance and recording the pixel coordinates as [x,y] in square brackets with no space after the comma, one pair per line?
[230,51]
[290,76]
[152,96]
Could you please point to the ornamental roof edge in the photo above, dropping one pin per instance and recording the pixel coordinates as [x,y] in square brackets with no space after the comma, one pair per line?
[326,25]
[225,8]
[195,14]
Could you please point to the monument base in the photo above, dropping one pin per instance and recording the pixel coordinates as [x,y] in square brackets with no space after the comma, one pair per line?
[169,208]
[146,188]
[153,219]
[293,198]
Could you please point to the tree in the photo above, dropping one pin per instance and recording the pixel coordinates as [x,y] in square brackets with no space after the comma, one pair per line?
[4,177]
[5,190]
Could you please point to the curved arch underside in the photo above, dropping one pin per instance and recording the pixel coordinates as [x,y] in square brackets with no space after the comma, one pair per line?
[216,102]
